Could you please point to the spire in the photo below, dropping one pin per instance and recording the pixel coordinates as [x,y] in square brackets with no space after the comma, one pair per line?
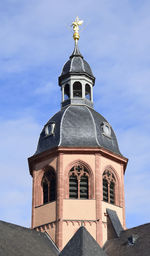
[76,52]
[75,24]
[76,65]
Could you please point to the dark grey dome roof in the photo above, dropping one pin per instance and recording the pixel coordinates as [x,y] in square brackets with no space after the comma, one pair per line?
[76,65]
[77,126]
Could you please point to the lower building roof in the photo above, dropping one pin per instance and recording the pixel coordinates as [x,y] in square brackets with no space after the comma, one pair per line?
[16,240]
[132,242]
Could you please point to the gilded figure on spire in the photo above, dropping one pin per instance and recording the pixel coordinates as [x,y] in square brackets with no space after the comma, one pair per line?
[75,26]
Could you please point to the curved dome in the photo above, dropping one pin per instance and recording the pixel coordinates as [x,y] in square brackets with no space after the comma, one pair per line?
[76,65]
[78,126]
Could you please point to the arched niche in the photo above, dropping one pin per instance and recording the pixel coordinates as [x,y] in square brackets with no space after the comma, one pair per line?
[88,92]
[77,90]
[66,92]
[49,185]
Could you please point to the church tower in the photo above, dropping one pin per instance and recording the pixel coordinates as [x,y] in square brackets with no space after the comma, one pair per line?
[77,170]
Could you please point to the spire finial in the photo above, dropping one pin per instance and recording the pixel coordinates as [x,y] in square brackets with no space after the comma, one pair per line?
[75,26]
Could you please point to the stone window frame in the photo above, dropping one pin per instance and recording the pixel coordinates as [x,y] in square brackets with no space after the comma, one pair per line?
[87,86]
[79,171]
[118,185]
[106,129]
[66,95]
[49,129]
[110,179]
[91,182]
[52,176]
[77,90]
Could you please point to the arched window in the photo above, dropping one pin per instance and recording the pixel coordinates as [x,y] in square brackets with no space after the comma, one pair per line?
[77,90]
[109,187]
[66,92]
[49,186]
[88,91]
[73,186]
[79,182]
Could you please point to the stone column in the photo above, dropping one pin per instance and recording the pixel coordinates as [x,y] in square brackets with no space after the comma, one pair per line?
[98,197]
[59,202]
[33,199]
[62,89]
[83,90]
[123,196]
[91,86]
[71,89]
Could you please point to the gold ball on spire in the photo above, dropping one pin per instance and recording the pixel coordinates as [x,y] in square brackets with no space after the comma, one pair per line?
[75,26]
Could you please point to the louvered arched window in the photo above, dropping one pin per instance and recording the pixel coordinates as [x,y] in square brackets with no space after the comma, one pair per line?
[49,186]
[79,182]
[109,187]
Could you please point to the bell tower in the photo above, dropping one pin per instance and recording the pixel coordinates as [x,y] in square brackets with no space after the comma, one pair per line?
[77,169]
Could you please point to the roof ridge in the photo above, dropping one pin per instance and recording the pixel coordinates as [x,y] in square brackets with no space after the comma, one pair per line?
[63,115]
[94,125]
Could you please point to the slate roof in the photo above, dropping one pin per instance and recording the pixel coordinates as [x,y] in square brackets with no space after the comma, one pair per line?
[76,65]
[82,244]
[123,245]
[77,126]
[19,241]
[115,221]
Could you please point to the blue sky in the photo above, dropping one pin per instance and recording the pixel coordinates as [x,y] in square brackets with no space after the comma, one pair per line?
[36,40]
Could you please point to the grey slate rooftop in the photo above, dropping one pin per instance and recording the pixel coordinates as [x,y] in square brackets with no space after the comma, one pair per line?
[19,241]
[77,126]
[82,244]
[132,242]
[76,65]
[115,221]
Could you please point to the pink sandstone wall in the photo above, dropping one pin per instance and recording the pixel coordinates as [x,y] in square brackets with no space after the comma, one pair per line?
[70,227]
[69,213]
[45,214]
[79,209]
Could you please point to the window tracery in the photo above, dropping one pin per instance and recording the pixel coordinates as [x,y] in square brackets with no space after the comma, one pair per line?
[79,182]
[109,187]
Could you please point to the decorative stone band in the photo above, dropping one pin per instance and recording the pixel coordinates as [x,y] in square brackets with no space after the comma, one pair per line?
[49,225]
[46,226]
[81,222]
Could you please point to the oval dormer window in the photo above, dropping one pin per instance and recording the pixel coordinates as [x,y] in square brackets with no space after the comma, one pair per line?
[50,129]
[106,129]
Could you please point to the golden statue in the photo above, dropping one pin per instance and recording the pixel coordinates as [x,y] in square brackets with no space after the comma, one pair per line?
[75,26]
